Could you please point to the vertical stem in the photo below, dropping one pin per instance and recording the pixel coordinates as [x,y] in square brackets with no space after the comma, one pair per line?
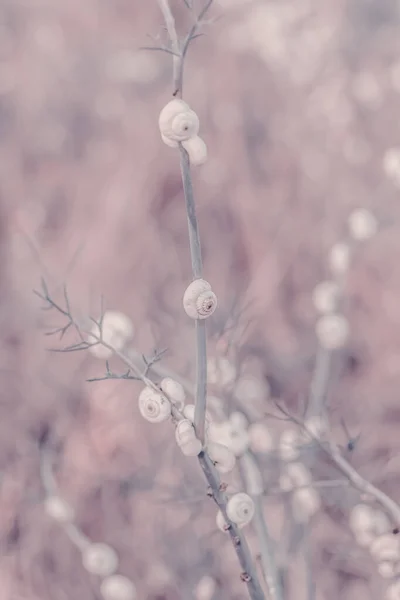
[177,58]
[197,269]
[267,555]
[319,383]
[194,236]
[239,542]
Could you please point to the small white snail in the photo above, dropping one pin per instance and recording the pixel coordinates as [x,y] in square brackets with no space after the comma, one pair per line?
[305,503]
[197,150]
[223,458]
[385,547]
[240,508]
[222,524]
[192,447]
[199,301]
[177,122]
[174,390]
[184,431]
[153,407]
[185,436]
[189,411]
[100,559]
[117,587]
[58,509]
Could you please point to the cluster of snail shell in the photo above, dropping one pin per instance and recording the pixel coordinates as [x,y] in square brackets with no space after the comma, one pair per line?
[199,301]
[179,124]
[239,509]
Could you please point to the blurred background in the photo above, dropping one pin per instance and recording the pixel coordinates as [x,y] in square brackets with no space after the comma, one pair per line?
[299,105]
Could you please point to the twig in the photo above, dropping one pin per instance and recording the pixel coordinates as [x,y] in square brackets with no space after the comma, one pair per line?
[361,484]
[197,269]
[177,58]
[249,574]
[267,555]
[319,383]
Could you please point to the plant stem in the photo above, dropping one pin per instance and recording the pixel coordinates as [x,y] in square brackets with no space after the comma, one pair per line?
[197,270]
[239,542]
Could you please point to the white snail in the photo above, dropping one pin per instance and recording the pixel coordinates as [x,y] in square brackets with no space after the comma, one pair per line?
[386,547]
[199,301]
[189,411]
[177,122]
[222,524]
[192,447]
[174,390]
[117,587]
[223,458]
[305,503]
[58,509]
[240,509]
[154,407]
[197,150]
[100,559]
[184,431]
[185,436]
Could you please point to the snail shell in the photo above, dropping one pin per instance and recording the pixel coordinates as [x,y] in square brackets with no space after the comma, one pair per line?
[117,587]
[222,524]
[185,436]
[58,509]
[177,122]
[174,390]
[197,150]
[184,432]
[153,407]
[192,447]
[100,559]
[199,301]
[223,458]
[240,508]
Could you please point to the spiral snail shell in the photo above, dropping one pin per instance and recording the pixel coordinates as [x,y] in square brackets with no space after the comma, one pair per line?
[177,122]
[240,509]
[153,407]
[222,457]
[197,150]
[199,301]
[174,390]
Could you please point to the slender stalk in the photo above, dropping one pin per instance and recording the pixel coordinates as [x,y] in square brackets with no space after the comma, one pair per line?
[249,574]
[267,555]
[177,58]
[319,383]
[194,236]
[197,270]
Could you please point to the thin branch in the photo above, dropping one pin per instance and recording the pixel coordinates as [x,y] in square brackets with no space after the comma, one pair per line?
[249,574]
[197,269]
[361,484]
[319,383]
[177,58]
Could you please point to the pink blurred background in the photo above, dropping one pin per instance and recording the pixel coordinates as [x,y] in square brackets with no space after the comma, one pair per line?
[299,106]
